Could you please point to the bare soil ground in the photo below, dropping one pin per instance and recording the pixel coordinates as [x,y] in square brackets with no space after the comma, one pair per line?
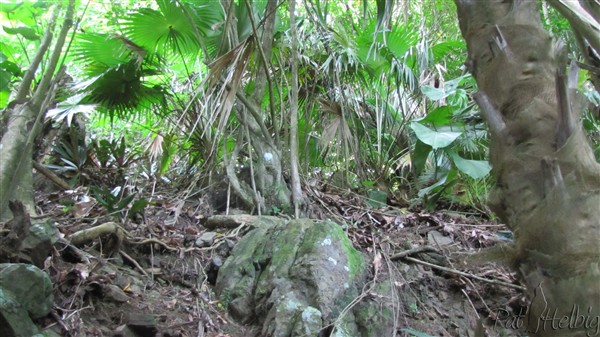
[159,282]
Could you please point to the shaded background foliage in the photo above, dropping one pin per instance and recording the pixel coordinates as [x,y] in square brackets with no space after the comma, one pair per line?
[157,89]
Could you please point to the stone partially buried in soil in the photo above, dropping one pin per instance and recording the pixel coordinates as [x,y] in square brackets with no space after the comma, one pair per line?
[295,278]
[25,294]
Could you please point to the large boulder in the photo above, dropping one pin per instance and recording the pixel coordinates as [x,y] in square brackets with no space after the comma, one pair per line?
[296,278]
[25,294]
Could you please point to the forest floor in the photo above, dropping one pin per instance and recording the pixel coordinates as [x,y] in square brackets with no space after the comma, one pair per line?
[159,279]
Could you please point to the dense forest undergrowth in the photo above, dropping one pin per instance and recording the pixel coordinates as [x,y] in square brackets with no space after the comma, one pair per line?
[141,141]
[160,277]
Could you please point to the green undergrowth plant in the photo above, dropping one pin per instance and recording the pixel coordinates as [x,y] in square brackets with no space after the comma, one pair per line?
[592,127]
[116,201]
[450,144]
[73,158]
[115,156]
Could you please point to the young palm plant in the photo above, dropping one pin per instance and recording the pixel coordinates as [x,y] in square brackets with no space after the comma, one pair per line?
[146,70]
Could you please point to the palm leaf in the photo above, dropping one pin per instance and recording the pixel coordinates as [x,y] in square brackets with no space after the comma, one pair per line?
[336,131]
[120,89]
[116,66]
[383,51]
[170,29]
[99,52]
[208,15]
[442,49]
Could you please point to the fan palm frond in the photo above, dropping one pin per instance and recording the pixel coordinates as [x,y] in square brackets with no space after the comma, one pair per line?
[162,31]
[208,15]
[120,89]
[99,52]
[345,55]
[382,51]
[442,49]
[336,131]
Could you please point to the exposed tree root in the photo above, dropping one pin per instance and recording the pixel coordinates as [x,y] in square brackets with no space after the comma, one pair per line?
[112,229]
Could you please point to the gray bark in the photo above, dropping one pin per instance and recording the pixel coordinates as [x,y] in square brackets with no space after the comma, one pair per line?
[16,146]
[296,187]
[547,179]
[269,187]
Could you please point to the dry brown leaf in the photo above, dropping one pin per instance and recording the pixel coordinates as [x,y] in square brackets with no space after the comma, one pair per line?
[377,262]
[83,208]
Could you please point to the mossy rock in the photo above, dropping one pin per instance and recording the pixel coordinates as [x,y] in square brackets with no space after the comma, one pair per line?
[286,274]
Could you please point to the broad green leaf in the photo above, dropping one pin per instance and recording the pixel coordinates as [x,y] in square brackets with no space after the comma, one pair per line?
[368,183]
[376,199]
[475,169]
[4,95]
[433,93]
[439,116]
[10,67]
[26,32]
[420,155]
[446,90]
[5,78]
[25,12]
[9,7]
[433,193]
[138,206]
[435,139]
[8,70]
[441,182]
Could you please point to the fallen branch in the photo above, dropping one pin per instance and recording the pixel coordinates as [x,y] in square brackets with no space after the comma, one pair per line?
[420,249]
[232,221]
[154,240]
[51,176]
[458,272]
[134,262]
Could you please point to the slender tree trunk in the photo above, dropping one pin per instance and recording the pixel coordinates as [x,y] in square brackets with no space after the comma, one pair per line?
[269,187]
[547,179]
[296,187]
[16,146]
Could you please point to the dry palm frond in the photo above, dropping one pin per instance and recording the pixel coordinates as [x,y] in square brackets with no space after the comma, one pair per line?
[336,129]
[155,149]
[138,51]
[228,71]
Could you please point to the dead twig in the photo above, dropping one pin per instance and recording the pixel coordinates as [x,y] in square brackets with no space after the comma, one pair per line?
[60,322]
[420,249]
[134,262]
[153,240]
[51,176]
[458,272]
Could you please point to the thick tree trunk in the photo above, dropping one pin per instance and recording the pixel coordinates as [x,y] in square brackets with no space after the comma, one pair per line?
[547,179]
